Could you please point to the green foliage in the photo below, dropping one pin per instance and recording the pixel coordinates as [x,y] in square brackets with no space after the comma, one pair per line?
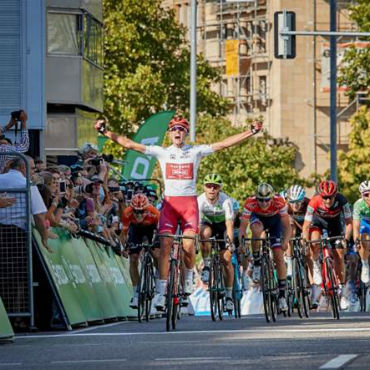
[353,165]
[356,71]
[147,64]
[244,166]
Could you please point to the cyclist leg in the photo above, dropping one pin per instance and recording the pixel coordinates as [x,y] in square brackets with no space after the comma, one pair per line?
[167,225]
[289,251]
[189,226]
[317,225]
[364,250]
[205,248]
[257,228]
[134,238]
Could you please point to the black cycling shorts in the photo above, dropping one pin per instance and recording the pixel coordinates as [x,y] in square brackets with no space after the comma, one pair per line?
[138,234]
[218,231]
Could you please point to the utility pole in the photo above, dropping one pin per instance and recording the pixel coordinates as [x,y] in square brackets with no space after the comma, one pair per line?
[333,92]
[193,69]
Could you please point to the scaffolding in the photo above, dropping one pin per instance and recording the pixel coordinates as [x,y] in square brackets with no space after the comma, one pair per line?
[247,23]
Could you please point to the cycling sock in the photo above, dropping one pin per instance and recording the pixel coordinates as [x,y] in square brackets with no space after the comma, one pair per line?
[282,287]
[162,287]
[365,263]
[206,262]
[229,292]
[256,258]
[134,290]
[188,274]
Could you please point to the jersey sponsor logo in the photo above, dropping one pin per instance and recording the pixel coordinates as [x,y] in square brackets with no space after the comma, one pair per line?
[173,156]
[176,171]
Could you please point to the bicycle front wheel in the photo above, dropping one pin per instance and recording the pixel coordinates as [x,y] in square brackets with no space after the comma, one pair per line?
[265,289]
[141,293]
[332,289]
[302,292]
[170,295]
[149,290]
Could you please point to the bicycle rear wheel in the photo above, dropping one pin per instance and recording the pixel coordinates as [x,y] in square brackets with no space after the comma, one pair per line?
[237,292]
[170,295]
[220,293]
[213,277]
[332,289]
[303,297]
[265,289]
[149,290]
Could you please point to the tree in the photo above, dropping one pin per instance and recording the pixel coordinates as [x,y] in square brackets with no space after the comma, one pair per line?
[244,166]
[147,64]
[355,73]
[353,165]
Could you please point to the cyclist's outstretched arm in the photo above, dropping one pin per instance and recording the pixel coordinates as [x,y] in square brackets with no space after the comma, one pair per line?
[121,140]
[238,138]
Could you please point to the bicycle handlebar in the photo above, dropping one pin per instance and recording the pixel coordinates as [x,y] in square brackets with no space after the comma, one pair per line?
[179,236]
[326,239]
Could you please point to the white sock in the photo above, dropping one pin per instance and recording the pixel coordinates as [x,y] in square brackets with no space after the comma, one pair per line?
[188,274]
[162,287]
[206,262]
[365,263]
[229,292]
[316,263]
[134,290]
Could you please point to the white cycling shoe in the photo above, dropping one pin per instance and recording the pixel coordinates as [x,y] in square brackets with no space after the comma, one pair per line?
[283,306]
[159,302]
[188,286]
[229,305]
[365,275]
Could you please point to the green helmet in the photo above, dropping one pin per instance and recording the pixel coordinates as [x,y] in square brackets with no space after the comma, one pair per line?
[213,178]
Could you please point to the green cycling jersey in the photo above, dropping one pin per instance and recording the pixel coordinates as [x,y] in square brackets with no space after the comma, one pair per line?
[361,211]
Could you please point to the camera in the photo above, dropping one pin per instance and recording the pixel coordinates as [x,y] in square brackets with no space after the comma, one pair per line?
[16,115]
[83,189]
[106,157]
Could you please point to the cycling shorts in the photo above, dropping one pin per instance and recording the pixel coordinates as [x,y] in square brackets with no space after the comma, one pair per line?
[333,226]
[179,209]
[364,227]
[218,231]
[137,234]
[273,224]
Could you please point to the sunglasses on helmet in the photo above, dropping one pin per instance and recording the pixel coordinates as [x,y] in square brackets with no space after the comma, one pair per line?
[263,200]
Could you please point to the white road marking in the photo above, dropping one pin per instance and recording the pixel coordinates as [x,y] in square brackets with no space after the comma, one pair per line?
[76,331]
[86,361]
[193,332]
[338,361]
[174,359]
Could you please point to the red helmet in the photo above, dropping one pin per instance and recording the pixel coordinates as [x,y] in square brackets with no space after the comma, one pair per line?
[139,201]
[328,188]
[179,121]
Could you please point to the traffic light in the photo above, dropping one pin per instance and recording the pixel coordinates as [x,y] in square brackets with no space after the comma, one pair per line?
[284,45]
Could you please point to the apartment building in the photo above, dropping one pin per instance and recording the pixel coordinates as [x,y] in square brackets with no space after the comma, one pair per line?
[292,95]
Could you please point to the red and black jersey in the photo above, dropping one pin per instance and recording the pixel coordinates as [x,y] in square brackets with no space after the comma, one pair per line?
[316,206]
[276,206]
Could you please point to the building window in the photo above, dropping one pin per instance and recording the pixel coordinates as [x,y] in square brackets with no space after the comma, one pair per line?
[75,34]
[64,36]
[93,40]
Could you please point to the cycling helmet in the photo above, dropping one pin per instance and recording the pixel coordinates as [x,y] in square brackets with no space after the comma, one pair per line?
[283,194]
[264,190]
[296,193]
[213,178]
[328,188]
[364,186]
[139,202]
[179,121]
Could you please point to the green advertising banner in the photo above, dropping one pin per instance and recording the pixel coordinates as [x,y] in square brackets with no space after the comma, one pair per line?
[140,166]
[6,330]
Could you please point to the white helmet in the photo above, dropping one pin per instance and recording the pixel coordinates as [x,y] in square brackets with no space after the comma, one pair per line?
[364,186]
[264,190]
[296,193]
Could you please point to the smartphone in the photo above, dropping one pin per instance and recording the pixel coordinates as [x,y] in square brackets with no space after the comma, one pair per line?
[62,187]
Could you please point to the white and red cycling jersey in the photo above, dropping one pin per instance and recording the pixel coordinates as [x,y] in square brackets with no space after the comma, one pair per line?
[179,167]
[276,206]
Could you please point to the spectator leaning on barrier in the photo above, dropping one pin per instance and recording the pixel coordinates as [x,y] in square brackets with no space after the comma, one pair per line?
[6,145]
[12,219]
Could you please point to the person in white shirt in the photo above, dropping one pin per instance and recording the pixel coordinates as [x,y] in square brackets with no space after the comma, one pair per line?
[179,164]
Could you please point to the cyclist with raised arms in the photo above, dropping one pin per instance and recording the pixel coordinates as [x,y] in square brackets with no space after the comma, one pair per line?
[267,210]
[139,221]
[179,164]
[217,218]
[324,212]
[361,228]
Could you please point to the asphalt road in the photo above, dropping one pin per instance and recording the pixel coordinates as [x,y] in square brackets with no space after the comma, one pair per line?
[248,343]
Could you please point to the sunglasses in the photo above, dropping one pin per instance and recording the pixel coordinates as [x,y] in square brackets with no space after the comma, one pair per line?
[263,200]
[326,197]
[294,201]
[210,186]
[366,195]
[178,128]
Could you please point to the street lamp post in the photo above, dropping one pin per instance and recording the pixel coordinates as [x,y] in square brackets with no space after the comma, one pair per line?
[193,69]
